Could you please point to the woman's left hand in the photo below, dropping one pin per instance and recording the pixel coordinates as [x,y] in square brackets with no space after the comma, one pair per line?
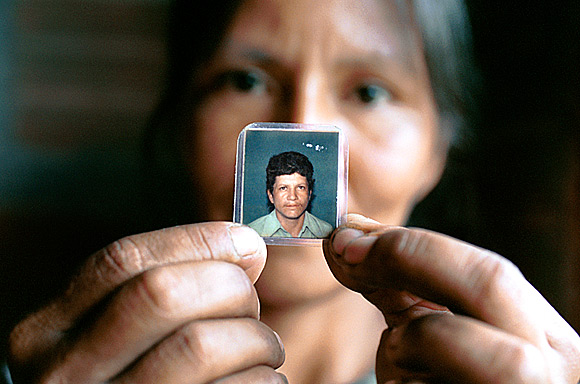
[498,328]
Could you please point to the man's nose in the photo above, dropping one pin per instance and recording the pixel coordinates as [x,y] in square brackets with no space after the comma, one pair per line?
[292,194]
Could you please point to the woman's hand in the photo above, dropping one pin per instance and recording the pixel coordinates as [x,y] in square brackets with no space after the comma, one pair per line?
[499,328]
[171,306]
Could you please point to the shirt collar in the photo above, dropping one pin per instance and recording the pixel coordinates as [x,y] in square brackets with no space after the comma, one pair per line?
[273,226]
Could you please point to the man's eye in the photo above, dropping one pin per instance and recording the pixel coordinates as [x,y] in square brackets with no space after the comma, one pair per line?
[244,81]
[372,94]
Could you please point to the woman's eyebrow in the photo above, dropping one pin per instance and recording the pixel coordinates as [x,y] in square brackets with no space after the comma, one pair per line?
[378,62]
[257,55]
[238,50]
[401,71]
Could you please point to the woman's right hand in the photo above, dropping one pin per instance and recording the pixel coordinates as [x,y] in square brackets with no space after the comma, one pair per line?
[503,330]
[172,306]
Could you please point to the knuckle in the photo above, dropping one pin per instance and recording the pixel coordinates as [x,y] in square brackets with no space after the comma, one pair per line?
[202,345]
[158,289]
[53,377]
[191,342]
[199,238]
[405,247]
[397,243]
[231,273]
[521,363]
[25,341]
[228,284]
[236,283]
[122,258]
[270,342]
[491,277]
[174,291]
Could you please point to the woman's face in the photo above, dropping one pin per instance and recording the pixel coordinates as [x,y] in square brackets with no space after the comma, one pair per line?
[356,64]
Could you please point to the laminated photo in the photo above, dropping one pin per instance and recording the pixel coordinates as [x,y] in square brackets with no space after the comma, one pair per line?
[291,181]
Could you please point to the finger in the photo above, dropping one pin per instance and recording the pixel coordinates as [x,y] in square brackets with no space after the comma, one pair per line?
[441,270]
[447,271]
[119,262]
[256,375]
[397,306]
[457,349]
[356,236]
[150,307]
[207,350]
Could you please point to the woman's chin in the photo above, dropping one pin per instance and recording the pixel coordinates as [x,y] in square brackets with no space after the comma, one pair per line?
[295,276]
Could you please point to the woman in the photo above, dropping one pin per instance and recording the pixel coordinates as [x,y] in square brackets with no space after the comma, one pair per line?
[179,305]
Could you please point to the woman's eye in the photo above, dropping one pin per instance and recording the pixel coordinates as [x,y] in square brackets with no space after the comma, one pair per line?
[244,81]
[372,94]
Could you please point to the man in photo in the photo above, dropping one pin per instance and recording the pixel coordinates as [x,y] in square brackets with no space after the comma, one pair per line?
[289,185]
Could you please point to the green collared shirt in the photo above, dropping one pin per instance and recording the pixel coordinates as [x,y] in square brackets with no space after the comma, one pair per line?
[313,227]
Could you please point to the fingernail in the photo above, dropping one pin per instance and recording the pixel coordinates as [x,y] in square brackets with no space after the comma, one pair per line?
[357,250]
[364,223]
[343,237]
[245,240]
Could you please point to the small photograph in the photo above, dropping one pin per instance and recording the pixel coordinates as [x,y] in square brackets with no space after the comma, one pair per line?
[291,181]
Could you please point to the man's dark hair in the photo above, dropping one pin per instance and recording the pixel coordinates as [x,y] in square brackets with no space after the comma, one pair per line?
[287,163]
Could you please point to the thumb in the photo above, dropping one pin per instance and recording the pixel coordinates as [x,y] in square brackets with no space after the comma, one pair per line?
[354,260]
[121,261]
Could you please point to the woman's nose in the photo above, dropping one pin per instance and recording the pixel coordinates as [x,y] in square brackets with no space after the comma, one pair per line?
[311,101]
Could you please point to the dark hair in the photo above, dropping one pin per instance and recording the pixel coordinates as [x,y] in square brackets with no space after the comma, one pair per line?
[447,42]
[288,163]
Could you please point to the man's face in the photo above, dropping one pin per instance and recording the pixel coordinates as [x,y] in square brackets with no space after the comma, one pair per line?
[290,195]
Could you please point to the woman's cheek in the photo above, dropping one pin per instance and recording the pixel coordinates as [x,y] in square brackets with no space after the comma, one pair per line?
[215,141]
[212,156]
[386,168]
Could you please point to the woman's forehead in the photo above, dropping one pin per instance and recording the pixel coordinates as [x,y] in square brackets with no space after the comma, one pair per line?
[339,29]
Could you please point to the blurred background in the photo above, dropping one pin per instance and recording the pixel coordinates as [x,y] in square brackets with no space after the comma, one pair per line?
[78,79]
[527,147]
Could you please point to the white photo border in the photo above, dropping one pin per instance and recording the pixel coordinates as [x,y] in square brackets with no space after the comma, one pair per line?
[341,175]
